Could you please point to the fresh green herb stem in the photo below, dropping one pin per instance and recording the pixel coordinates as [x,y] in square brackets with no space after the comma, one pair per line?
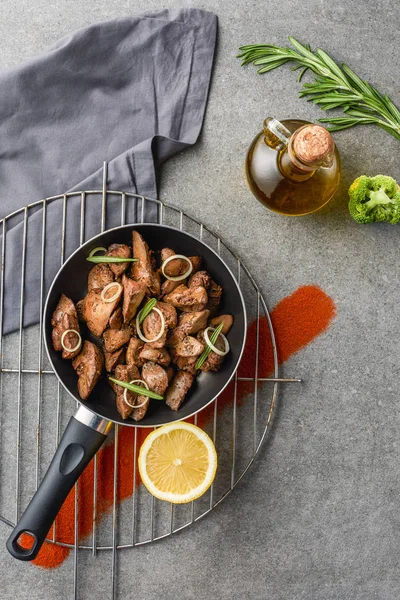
[146,310]
[137,389]
[334,86]
[204,355]
[109,259]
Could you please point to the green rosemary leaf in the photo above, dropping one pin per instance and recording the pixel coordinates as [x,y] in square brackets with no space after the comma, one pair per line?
[304,71]
[269,68]
[393,109]
[109,259]
[333,86]
[302,49]
[332,65]
[330,106]
[204,355]
[270,59]
[137,389]
[146,310]
[339,127]
[357,82]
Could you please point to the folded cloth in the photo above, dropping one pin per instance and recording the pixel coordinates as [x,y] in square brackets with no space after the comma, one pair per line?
[131,92]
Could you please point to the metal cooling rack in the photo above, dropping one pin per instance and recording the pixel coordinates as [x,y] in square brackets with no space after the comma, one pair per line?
[27,438]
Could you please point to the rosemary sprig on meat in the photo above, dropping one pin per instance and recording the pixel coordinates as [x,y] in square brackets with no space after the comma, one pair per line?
[203,357]
[334,86]
[146,310]
[137,389]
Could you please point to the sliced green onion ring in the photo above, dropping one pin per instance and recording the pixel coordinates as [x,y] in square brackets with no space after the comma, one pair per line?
[137,389]
[114,296]
[179,277]
[139,332]
[211,344]
[126,390]
[78,345]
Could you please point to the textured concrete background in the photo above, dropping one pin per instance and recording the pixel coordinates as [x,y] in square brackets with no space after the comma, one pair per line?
[318,516]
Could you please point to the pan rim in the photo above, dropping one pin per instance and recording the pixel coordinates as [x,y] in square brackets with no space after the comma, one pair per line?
[132,423]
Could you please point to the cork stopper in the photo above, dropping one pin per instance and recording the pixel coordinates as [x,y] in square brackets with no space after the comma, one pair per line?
[312,144]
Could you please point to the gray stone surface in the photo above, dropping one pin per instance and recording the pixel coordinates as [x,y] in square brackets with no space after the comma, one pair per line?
[317,516]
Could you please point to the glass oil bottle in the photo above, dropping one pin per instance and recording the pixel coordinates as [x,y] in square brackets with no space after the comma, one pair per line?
[293,166]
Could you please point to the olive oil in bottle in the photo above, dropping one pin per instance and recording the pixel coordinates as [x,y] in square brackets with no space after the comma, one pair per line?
[293,167]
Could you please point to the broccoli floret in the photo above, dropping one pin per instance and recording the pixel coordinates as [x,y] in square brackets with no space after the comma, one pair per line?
[375,199]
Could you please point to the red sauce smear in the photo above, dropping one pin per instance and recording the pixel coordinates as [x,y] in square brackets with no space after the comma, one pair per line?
[297,320]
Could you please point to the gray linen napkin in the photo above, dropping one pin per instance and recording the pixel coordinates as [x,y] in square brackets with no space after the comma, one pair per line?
[132,92]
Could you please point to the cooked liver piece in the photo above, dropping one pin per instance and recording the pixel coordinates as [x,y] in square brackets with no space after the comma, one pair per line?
[122,251]
[170,373]
[99,276]
[189,346]
[197,262]
[155,377]
[115,338]
[212,363]
[178,389]
[112,359]
[169,286]
[97,313]
[175,267]
[187,363]
[65,317]
[88,365]
[169,314]
[125,373]
[138,413]
[174,337]
[151,327]
[191,323]
[143,270]
[133,295]
[188,299]
[200,278]
[214,290]
[115,321]
[158,355]
[132,353]
[214,297]
[227,320]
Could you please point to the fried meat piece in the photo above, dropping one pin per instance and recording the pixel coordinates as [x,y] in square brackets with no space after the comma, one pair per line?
[178,389]
[143,271]
[96,312]
[189,346]
[120,251]
[133,295]
[157,355]
[155,377]
[133,351]
[227,321]
[127,374]
[188,299]
[65,317]
[88,365]
[100,276]
[115,338]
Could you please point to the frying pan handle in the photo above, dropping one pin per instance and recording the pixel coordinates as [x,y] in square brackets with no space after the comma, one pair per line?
[83,436]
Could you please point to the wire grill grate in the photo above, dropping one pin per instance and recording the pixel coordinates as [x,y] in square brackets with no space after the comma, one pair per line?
[27,438]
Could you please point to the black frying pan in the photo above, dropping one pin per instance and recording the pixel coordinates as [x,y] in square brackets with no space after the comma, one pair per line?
[88,428]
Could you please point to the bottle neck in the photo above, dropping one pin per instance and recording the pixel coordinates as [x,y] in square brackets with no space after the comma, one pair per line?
[301,153]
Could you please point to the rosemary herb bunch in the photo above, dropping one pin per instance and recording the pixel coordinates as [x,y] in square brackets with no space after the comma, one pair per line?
[334,86]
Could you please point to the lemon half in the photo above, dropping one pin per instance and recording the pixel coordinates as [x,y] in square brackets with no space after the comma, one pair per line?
[177,462]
